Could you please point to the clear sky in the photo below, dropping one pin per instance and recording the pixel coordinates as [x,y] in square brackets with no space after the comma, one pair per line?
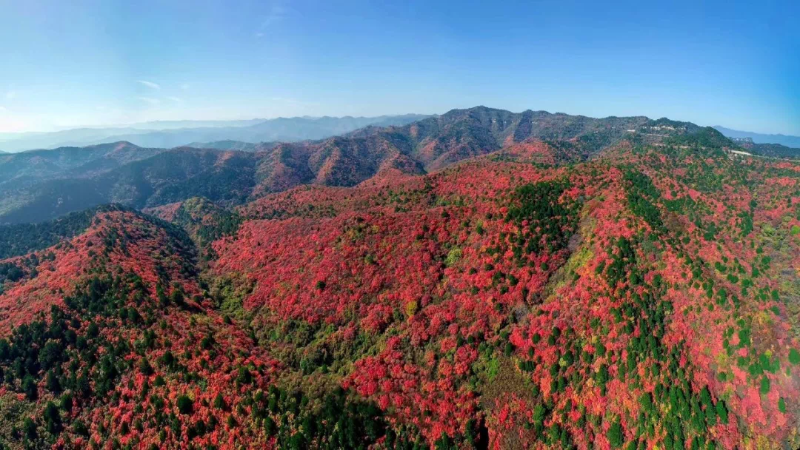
[78,62]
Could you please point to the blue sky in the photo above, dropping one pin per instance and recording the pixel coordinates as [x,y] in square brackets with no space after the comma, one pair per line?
[70,63]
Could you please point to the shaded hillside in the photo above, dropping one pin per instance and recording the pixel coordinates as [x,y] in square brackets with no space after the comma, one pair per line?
[169,176]
[202,219]
[23,238]
[24,169]
[117,345]
[115,239]
[334,162]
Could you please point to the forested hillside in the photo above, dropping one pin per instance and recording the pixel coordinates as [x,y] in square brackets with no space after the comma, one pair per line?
[481,279]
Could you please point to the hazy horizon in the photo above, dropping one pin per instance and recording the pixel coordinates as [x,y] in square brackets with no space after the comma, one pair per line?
[196,121]
[92,63]
[150,124]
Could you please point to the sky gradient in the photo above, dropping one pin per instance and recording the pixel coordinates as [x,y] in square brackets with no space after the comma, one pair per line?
[80,63]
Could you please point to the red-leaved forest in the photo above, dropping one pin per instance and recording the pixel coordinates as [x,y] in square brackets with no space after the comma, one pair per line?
[646,296]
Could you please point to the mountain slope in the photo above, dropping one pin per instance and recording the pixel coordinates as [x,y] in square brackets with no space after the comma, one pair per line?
[51,272]
[553,307]
[204,220]
[164,178]
[759,138]
[24,169]
[115,358]
[443,140]
[16,240]
[643,295]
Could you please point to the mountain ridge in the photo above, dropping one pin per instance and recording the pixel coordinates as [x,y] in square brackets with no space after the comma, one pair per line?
[762,138]
[253,131]
[124,173]
[585,285]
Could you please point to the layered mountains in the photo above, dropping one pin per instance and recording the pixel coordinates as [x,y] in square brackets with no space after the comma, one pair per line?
[177,133]
[481,279]
[40,185]
[760,138]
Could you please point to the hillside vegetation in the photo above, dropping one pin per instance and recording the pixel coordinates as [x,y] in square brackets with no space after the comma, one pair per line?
[481,279]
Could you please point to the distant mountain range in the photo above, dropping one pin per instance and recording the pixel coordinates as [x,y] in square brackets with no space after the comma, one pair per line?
[170,134]
[758,138]
[244,134]
[43,184]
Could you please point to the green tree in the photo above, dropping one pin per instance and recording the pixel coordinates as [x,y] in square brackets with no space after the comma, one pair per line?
[52,382]
[29,388]
[244,376]
[145,368]
[185,404]
[615,435]
[29,428]
[722,412]
[219,402]
[50,355]
[794,356]
[52,418]
[765,385]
